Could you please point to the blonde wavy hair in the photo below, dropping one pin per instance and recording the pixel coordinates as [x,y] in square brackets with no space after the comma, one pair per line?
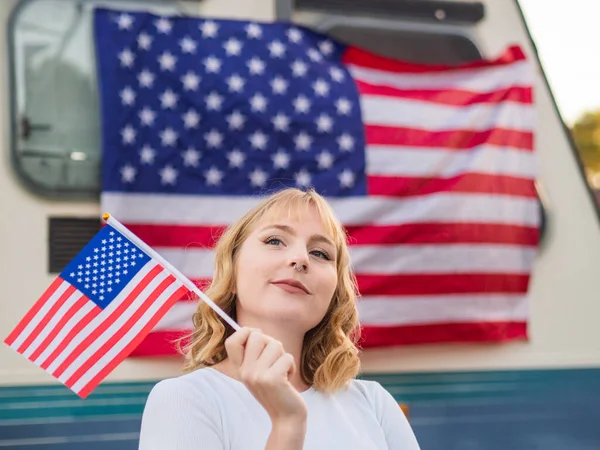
[330,354]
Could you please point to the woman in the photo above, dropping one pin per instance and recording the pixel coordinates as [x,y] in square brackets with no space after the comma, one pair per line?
[286,379]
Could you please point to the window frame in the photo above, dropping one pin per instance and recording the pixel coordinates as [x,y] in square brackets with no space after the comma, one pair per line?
[21,174]
[329,22]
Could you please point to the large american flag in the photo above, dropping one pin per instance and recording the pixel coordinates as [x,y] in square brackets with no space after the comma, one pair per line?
[96,311]
[430,168]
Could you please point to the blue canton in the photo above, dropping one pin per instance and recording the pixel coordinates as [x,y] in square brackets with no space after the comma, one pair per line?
[105,266]
[222,107]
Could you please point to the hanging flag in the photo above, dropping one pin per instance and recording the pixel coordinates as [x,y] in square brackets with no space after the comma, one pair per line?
[430,168]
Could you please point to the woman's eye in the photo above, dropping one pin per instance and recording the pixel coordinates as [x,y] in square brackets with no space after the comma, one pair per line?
[273,241]
[320,254]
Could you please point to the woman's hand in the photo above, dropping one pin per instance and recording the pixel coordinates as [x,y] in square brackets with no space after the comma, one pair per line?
[265,368]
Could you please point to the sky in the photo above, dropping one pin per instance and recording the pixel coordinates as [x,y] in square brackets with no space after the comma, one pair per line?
[566,35]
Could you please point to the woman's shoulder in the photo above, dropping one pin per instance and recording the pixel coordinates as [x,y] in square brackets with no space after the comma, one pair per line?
[181,410]
[397,430]
[195,377]
[202,383]
[374,393]
[369,388]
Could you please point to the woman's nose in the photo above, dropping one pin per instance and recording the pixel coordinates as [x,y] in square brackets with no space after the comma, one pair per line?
[300,261]
[299,267]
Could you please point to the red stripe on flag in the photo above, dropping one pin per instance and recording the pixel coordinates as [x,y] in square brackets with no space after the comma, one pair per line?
[46,319]
[175,236]
[443,233]
[359,57]
[442,332]
[122,331]
[91,315]
[452,283]
[455,139]
[160,343]
[202,283]
[185,236]
[517,94]
[135,343]
[107,322]
[468,182]
[59,326]
[39,304]
[433,284]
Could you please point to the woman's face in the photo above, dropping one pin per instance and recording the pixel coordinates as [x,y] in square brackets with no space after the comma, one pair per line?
[268,287]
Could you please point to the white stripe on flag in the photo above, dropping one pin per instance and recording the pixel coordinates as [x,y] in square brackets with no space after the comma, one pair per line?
[394,112]
[40,315]
[178,317]
[117,324]
[90,327]
[62,334]
[474,80]
[392,259]
[405,310]
[422,310]
[169,209]
[59,314]
[439,162]
[114,351]
[435,259]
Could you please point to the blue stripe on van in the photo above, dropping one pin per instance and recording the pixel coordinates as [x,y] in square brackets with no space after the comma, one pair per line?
[550,409]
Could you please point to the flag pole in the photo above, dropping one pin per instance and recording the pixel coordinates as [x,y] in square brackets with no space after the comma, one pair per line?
[110,220]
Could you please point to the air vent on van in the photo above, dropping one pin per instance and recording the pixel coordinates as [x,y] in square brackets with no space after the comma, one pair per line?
[66,238]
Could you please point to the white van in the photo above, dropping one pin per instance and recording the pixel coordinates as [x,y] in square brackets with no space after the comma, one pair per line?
[542,393]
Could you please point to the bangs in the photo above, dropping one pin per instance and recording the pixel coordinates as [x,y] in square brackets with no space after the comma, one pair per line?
[295,205]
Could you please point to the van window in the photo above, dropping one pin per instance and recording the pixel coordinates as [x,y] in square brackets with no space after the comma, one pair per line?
[409,45]
[55,106]
[54,101]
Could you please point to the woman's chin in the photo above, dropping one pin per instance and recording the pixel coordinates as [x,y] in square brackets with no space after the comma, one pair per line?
[292,316]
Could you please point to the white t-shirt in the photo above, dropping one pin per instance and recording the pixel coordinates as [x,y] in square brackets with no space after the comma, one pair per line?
[207,409]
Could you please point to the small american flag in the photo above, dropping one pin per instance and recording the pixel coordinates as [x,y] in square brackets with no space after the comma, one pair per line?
[430,168]
[98,309]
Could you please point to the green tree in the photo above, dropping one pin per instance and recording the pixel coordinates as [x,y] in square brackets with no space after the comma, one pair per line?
[586,134]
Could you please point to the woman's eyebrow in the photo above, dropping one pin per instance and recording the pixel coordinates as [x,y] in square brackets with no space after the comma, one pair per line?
[285,228]
[290,230]
[321,238]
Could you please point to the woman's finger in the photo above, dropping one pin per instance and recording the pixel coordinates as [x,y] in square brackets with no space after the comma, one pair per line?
[255,345]
[270,354]
[235,344]
[284,365]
